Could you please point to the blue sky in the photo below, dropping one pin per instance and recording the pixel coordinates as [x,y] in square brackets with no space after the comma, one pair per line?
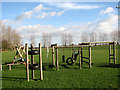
[54,18]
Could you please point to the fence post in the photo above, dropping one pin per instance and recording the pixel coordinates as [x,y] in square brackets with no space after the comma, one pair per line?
[80,63]
[32,61]
[40,62]
[109,52]
[81,54]
[1,67]
[53,60]
[57,65]
[27,65]
[89,56]
[114,52]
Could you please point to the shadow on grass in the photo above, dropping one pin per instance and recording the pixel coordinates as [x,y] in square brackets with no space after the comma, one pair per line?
[65,66]
[111,66]
[12,78]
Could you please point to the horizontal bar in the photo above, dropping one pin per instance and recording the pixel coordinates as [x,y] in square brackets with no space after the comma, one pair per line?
[99,42]
[111,55]
[73,46]
[16,64]
[111,58]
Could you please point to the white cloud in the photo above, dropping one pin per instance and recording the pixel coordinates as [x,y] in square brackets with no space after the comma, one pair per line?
[8,22]
[39,10]
[99,26]
[27,14]
[109,24]
[74,6]
[107,10]
[61,12]
[38,29]
[103,26]
[48,14]
[42,14]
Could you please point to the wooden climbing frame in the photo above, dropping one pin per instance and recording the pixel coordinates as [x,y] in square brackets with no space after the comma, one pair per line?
[32,62]
[19,53]
[112,49]
[112,52]
[80,54]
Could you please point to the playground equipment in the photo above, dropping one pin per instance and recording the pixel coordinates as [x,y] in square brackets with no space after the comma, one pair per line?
[33,66]
[21,59]
[112,56]
[70,60]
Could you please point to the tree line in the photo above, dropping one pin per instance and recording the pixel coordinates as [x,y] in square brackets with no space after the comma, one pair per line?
[11,38]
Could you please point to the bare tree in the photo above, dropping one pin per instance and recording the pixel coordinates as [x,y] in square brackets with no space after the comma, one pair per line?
[16,39]
[64,39]
[105,36]
[114,35]
[100,37]
[49,39]
[70,39]
[32,39]
[9,37]
[93,37]
[84,37]
[46,39]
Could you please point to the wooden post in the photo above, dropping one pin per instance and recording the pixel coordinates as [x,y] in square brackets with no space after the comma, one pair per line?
[109,53]
[27,65]
[114,52]
[32,61]
[40,61]
[81,54]
[73,54]
[89,56]
[9,67]
[53,60]
[1,67]
[80,63]
[57,65]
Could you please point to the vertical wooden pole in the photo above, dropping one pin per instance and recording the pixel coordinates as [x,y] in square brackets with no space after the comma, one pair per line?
[1,67]
[80,63]
[114,52]
[73,54]
[89,56]
[9,67]
[32,61]
[40,61]
[53,60]
[57,65]
[81,54]
[27,65]
[109,52]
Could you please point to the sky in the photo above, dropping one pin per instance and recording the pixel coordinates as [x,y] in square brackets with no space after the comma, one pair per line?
[36,18]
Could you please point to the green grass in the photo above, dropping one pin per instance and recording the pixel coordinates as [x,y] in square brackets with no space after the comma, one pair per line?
[101,75]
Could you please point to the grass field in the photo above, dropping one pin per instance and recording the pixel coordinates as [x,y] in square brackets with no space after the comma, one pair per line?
[101,75]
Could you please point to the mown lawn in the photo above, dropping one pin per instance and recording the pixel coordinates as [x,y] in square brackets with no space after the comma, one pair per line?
[101,75]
